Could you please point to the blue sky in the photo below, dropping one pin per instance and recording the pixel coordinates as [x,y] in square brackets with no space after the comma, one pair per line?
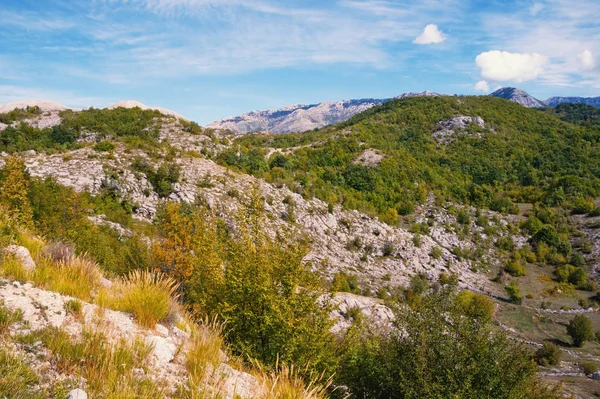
[208,59]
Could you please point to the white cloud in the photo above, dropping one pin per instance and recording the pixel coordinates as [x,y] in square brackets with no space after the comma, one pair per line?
[587,59]
[482,85]
[431,34]
[503,66]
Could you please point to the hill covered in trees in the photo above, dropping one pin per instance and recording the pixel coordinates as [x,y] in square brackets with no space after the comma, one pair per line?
[516,155]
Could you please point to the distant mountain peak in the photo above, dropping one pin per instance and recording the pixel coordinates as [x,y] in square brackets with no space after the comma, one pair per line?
[133,104]
[303,117]
[518,96]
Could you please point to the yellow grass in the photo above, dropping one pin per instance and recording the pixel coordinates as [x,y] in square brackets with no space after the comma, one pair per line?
[150,296]
[12,268]
[285,382]
[78,276]
[205,352]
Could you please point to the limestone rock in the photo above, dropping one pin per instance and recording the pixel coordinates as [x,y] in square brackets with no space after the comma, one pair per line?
[22,254]
[77,394]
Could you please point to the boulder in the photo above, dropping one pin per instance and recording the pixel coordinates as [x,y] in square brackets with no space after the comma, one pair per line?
[22,254]
[77,394]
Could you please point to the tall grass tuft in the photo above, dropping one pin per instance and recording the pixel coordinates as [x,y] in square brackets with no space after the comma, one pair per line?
[150,296]
[12,268]
[205,352]
[287,382]
[78,276]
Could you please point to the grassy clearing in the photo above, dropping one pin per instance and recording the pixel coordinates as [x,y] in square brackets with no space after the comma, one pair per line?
[150,296]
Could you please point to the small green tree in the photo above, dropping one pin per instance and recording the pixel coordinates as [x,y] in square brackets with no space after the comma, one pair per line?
[580,330]
[514,293]
[14,191]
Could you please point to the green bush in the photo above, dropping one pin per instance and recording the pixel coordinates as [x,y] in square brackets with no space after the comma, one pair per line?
[344,282]
[580,330]
[514,293]
[548,355]
[104,146]
[514,268]
[588,367]
[430,353]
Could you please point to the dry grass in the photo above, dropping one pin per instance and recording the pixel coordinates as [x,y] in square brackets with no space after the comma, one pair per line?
[12,268]
[108,367]
[205,352]
[286,382]
[77,277]
[150,296]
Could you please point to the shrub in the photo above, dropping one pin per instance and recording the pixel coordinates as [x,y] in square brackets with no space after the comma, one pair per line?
[388,248]
[463,217]
[343,282]
[475,305]
[515,269]
[514,293]
[435,253]
[73,307]
[104,146]
[588,367]
[580,330]
[148,295]
[548,355]
[430,353]
[505,243]
[354,245]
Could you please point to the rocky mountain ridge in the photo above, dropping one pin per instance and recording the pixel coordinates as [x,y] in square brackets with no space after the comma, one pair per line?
[554,101]
[302,117]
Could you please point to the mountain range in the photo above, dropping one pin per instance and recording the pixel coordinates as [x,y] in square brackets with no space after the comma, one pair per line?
[305,117]
[301,117]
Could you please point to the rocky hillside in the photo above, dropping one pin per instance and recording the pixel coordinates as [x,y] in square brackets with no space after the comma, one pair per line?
[403,199]
[300,117]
